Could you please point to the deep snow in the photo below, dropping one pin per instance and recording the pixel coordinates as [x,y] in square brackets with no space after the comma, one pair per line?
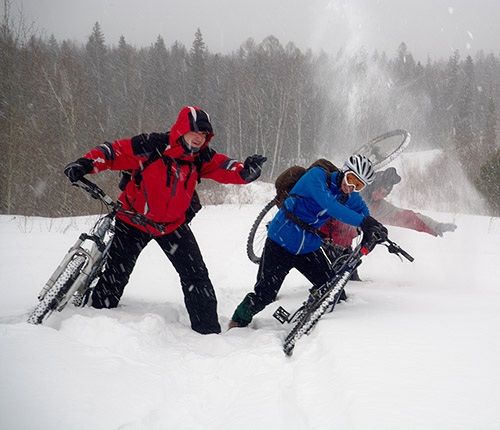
[415,347]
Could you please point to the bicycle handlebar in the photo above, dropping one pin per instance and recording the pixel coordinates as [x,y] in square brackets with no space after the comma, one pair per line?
[394,248]
[135,217]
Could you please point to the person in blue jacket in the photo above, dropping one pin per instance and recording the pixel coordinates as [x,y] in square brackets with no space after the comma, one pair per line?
[293,240]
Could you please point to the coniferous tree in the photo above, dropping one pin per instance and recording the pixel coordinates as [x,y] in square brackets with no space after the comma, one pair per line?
[197,71]
[61,98]
[178,78]
[488,182]
[158,88]
[126,91]
[451,87]
[464,138]
[97,100]
[404,67]
[96,52]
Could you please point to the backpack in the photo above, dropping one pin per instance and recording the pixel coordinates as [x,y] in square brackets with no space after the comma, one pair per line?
[286,181]
[288,178]
[136,175]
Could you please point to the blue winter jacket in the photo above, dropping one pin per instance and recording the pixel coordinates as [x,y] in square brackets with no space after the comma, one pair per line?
[316,204]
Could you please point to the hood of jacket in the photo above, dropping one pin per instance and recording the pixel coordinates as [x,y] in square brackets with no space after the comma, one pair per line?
[190,119]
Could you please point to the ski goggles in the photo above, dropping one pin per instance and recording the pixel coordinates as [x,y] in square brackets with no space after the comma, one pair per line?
[352,179]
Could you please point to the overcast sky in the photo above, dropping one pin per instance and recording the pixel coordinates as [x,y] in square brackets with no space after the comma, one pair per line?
[428,27]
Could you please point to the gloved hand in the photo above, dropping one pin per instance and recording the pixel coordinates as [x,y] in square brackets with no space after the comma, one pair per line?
[373,232]
[252,168]
[78,169]
[443,227]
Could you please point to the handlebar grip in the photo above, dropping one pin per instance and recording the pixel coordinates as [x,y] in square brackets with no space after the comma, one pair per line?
[87,182]
[406,255]
[396,249]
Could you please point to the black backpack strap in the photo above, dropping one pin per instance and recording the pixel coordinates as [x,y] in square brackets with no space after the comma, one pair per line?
[160,146]
[302,224]
[198,163]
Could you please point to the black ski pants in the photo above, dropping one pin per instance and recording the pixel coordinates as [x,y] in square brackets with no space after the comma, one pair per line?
[275,265]
[182,250]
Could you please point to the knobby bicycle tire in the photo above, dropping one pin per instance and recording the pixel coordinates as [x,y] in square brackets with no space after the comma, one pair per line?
[57,293]
[381,151]
[258,232]
[310,317]
[81,296]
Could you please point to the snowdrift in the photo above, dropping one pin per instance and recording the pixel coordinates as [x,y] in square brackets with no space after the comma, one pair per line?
[415,346]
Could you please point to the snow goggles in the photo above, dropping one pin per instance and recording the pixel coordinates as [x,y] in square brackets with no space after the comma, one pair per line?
[352,179]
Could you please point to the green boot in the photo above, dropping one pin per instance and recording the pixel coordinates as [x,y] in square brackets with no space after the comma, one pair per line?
[243,314]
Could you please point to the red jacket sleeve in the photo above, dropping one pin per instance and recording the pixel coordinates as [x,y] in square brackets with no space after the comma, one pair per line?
[221,168]
[389,214]
[115,156]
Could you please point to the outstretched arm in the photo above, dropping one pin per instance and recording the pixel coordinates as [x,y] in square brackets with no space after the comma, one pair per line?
[392,215]
[225,170]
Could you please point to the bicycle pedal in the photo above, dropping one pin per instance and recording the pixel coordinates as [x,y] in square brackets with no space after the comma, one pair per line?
[282,315]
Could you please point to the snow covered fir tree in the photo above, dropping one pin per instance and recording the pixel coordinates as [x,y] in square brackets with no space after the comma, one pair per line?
[267,98]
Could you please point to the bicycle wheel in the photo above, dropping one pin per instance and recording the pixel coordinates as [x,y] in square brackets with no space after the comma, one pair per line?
[82,294]
[312,312]
[385,148]
[258,232]
[56,295]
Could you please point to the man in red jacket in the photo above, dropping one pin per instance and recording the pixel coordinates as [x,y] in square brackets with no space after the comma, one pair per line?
[162,191]
[374,196]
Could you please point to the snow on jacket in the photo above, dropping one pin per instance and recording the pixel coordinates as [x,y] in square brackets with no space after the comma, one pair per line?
[168,184]
[315,204]
[386,213]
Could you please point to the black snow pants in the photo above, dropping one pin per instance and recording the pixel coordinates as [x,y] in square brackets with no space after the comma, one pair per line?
[182,250]
[275,265]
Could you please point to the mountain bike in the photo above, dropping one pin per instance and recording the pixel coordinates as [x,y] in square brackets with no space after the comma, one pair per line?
[324,299]
[80,269]
[381,150]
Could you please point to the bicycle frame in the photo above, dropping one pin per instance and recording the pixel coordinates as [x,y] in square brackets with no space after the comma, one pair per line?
[94,256]
[326,297]
[84,261]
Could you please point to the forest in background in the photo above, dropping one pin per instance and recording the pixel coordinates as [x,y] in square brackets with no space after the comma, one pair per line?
[60,99]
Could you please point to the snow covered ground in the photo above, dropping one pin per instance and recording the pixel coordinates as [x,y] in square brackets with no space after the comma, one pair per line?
[415,347]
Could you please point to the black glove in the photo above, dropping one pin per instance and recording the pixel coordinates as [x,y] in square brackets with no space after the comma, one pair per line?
[78,169]
[126,178]
[444,227]
[252,168]
[373,232]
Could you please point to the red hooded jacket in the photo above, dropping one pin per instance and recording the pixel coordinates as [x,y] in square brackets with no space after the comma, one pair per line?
[168,184]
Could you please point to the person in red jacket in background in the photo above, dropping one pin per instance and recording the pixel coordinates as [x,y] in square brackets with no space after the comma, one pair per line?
[162,191]
[341,235]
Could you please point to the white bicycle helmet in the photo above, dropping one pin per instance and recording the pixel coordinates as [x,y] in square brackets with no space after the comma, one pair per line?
[362,167]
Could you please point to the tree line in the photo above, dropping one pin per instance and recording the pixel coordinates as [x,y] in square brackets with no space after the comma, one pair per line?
[60,99]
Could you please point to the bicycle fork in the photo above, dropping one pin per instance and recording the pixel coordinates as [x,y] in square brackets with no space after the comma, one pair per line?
[91,257]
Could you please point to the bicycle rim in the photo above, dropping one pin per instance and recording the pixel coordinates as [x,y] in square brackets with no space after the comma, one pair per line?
[258,232]
[385,148]
[57,294]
